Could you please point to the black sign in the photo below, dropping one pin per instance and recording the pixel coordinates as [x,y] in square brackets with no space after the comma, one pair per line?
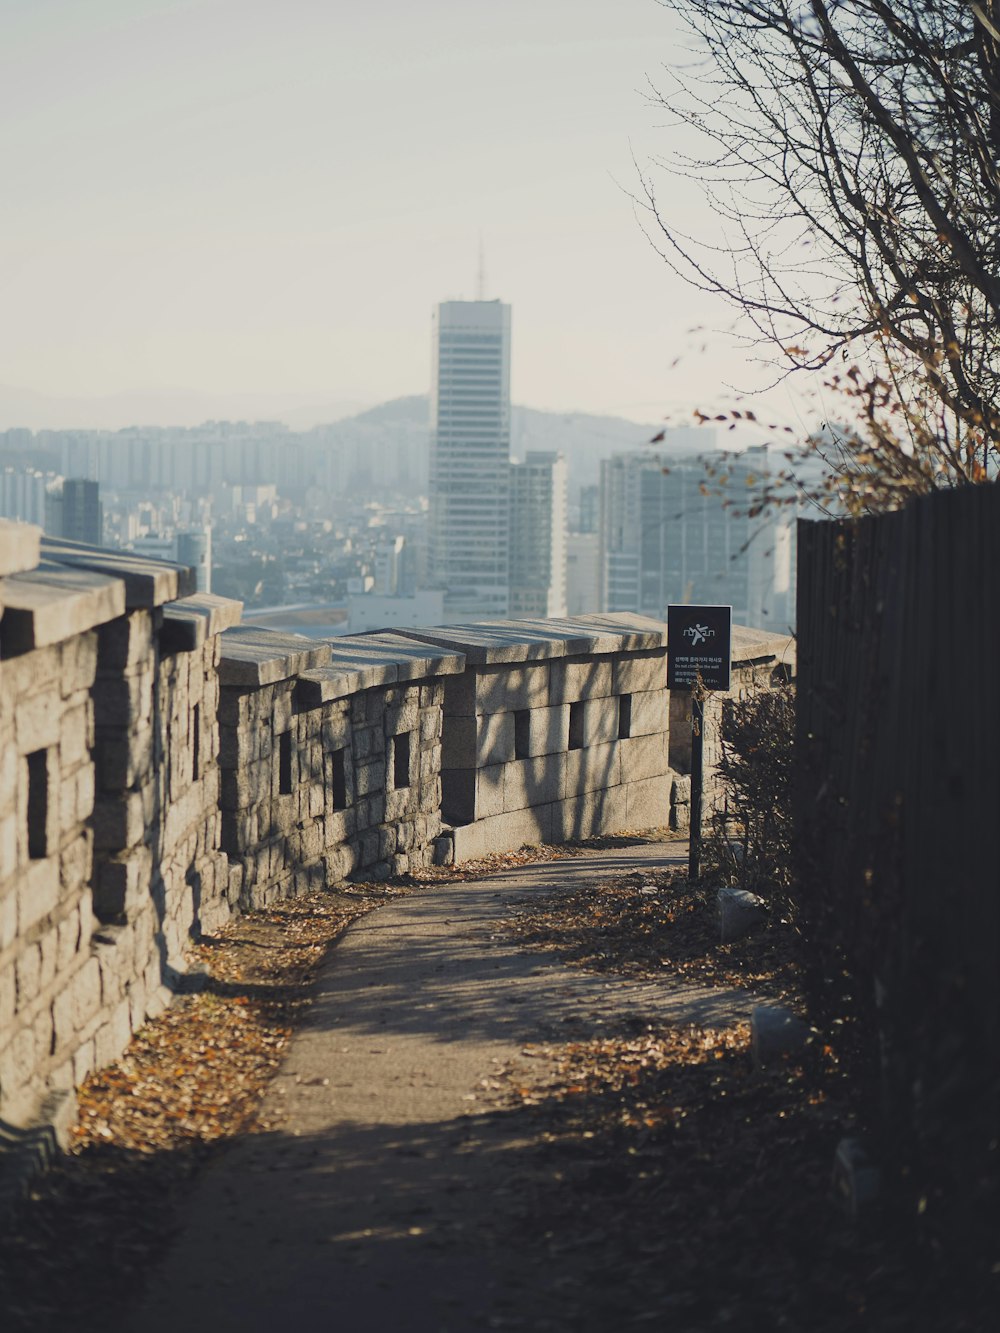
[699,644]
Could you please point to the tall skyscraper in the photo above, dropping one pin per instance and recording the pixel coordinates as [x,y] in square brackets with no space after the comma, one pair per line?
[470,458]
[538,535]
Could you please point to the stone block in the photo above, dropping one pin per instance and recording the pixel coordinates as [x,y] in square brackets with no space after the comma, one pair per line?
[475,741]
[123,761]
[430,796]
[37,892]
[374,706]
[401,803]
[8,773]
[600,721]
[8,996]
[8,846]
[123,701]
[120,821]
[533,782]
[78,667]
[17,1061]
[633,673]
[37,722]
[740,914]
[777,1036]
[126,641]
[490,790]
[650,712]
[542,731]
[856,1180]
[505,688]
[369,777]
[591,769]
[67,941]
[430,724]
[236,707]
[647,803]
[336,731]
[644,757]
[502,833]
[28,973]
[402,716]
[76,799]
[570,680]
[75,735]
[587,816]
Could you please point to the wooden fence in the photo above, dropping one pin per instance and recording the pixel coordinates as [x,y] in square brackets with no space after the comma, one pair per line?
[898,749]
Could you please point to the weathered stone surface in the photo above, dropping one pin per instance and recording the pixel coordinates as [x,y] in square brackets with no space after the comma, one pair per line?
[18,547]
[474,741]
[647,803]
[53,604]
[650,712]
[253,656]
[777,1035]
[639,672]
[591,769]
[148,583]
[740,914]
[573,680]
[643,757]
[530,782]
[856,1178]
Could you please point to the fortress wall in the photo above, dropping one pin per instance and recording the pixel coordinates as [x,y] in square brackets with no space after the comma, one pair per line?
[163,767]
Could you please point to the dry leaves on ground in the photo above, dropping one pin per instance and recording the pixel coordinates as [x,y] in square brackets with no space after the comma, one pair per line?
[77,1250]
[649,924]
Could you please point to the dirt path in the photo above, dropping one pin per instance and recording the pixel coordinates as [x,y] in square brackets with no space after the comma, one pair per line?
[371,1207]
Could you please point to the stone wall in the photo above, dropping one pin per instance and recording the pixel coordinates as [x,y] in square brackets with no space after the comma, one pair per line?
[556,730]
[163,767]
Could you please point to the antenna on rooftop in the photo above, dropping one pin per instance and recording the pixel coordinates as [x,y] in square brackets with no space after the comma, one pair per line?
[481,275]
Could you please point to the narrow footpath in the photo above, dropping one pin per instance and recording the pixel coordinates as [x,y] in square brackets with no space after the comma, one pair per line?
[371,1207]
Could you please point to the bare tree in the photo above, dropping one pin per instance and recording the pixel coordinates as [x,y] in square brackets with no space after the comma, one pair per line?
[851,151]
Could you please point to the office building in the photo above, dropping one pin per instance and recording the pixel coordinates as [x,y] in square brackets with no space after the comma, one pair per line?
[469,484]
[538,535]
[667,536]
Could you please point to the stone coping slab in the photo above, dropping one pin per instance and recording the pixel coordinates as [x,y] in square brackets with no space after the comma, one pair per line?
[490,642]
[750,645]
[365,661]
[52,603]
[18,547]
[190,621]
[252,656]
[148,583]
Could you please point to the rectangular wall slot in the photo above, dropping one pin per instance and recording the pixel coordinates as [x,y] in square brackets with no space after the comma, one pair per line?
[401,760]
[624,716]
[339,779]
[38,805]
[522,733]
[285,764]
[576,725]
[196,743]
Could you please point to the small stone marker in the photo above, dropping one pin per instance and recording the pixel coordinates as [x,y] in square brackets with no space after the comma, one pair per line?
[856,1180]
[740,913]
[776,1035]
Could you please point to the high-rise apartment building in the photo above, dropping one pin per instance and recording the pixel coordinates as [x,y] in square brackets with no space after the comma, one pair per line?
[74,510]
[538,535]
[469,530]
[667,537]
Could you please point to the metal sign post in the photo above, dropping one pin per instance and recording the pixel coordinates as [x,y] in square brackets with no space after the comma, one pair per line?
[699,657]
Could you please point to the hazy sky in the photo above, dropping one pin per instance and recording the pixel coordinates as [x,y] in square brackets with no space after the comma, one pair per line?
[248,195]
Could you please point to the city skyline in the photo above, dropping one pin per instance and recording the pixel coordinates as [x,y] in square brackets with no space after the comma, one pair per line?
[230,209]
